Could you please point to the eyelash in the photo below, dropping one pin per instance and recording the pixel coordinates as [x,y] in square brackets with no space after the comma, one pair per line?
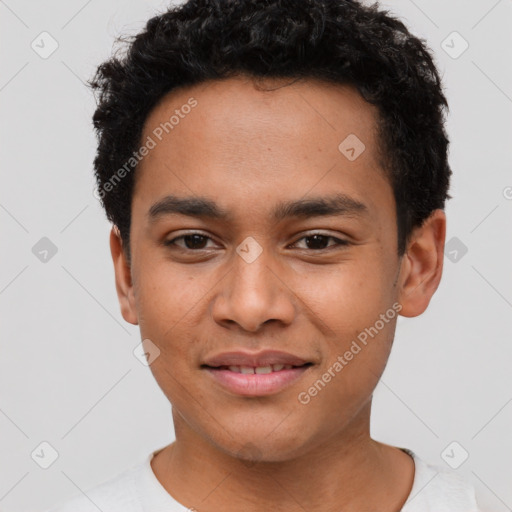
[339,242]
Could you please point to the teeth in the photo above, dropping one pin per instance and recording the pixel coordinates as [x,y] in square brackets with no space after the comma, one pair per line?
[260,369]
[263,369]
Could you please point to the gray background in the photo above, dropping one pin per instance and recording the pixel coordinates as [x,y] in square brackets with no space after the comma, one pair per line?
[67,372]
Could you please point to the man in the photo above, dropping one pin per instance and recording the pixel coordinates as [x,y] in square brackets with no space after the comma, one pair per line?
[276,173]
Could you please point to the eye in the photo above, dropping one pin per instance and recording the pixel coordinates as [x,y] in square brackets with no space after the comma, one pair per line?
[197,242]
[192,241]
[317,241]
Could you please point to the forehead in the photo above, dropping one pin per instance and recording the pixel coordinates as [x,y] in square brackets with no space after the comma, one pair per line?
[250,142]
[238,108]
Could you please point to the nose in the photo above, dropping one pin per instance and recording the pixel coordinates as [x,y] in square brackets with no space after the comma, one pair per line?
[253,293]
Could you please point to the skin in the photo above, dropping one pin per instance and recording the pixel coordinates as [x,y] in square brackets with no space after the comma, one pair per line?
[247,149]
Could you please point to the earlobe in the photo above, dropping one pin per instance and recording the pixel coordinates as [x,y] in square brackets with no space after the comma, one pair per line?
[124,285]
[422,265]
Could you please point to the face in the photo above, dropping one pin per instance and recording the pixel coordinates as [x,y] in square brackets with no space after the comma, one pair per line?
[290,246]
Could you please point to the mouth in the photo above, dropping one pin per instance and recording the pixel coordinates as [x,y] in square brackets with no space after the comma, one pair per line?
[256,380]
[256,370]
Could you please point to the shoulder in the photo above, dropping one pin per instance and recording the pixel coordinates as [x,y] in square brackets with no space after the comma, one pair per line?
[117,494]
[439,489]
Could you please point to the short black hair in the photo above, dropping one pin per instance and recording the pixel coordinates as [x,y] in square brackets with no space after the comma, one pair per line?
[341,41]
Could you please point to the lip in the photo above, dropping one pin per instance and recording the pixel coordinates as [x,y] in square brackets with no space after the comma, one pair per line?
[256,384]
[262,358]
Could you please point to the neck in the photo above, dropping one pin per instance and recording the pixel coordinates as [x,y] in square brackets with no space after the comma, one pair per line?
[349,472]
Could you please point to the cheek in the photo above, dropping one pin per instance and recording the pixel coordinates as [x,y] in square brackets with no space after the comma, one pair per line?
[167,303]
[171,326]
[347,297]
[353,305]
[347,378]
[165,296]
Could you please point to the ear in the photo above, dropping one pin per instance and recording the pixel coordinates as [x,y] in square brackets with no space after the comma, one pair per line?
[422,265]
[124,285]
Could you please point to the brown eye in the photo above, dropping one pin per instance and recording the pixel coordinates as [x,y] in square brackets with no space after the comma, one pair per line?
[320,242]
[192,241]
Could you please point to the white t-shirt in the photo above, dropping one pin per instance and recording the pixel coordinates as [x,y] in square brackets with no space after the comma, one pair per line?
[435,489]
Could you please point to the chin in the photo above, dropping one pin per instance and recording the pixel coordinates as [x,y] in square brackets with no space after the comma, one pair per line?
[263,446]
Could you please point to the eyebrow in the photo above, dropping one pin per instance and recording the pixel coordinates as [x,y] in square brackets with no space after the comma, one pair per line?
[202,207]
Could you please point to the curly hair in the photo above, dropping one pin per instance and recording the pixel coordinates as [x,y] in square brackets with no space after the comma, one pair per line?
[341,41]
